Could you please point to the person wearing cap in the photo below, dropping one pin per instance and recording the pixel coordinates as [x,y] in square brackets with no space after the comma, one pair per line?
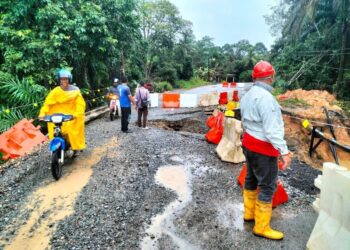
[67,99]
[263,143]
[113,90]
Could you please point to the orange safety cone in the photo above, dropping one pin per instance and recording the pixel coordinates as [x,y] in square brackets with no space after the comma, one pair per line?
[233,85]
[20,139]
[280,196]
[225,84]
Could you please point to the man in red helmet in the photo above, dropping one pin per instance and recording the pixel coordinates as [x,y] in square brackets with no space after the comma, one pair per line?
[263,142]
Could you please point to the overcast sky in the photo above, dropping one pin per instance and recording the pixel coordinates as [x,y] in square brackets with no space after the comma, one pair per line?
[228,21]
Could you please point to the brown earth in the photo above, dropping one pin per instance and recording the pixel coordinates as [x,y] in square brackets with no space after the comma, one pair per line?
[301,104]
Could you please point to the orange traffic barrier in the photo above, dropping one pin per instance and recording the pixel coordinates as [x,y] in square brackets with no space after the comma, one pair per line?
[171,100]
[233,85]
[20,139]
[280,196]
[223,99]
[225,84]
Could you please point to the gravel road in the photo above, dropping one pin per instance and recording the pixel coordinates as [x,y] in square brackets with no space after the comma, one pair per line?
[162,188]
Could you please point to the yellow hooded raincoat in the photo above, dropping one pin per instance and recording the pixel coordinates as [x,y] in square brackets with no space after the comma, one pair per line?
[69,103]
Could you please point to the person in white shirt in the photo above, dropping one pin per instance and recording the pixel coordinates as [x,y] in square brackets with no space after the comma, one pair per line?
[263,142]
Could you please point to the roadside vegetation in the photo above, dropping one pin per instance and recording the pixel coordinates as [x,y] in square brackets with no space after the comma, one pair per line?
[100,40]
[192,83]
[294,103]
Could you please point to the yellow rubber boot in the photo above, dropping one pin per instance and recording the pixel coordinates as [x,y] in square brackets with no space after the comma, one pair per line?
[262,228]
[249,198]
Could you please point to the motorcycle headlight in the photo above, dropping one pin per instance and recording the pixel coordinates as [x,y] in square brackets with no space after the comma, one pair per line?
[56,119]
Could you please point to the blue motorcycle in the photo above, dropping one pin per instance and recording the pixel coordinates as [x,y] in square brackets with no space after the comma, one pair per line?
[58,145]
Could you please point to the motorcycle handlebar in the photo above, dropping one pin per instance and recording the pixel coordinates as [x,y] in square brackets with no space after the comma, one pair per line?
[48,118]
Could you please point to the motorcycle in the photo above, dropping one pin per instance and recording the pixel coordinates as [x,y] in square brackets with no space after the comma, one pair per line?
[114,106]
[59,146]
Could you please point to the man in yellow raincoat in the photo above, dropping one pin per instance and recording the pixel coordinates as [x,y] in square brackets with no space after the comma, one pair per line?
[68,100]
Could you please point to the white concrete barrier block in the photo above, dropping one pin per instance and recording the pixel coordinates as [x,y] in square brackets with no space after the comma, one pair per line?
[316,205]
[188,100]
[333,166]
[318,182]
[209,99]
[332,228]
[203,100]
[154,100]
[213,99]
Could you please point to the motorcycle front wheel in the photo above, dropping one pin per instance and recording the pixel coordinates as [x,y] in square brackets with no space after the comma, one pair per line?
[56,166]
[112,115]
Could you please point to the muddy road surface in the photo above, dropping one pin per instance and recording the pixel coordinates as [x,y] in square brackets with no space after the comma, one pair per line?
[162,188]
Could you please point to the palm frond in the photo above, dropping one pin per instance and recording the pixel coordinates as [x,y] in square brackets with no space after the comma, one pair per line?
[311,9]
[303,13]
[7,120]
[22,92]
[337,4]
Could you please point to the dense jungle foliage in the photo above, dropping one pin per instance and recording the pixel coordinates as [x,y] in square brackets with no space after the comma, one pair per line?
[102,39]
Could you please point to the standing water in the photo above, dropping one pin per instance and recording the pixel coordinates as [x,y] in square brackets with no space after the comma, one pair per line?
[52,203]
[177,179]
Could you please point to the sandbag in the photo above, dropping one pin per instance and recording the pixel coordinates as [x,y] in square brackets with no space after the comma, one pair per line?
[211,121]
[214,135]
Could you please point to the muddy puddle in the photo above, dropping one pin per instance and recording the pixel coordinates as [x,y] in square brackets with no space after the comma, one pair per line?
[186,125]
[52,203]
[176,178]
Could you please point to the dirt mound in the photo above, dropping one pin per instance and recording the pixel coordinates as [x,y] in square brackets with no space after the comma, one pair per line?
[301,104]
[313,100]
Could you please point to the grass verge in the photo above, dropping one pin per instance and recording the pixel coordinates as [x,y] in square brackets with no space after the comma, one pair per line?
[192,83]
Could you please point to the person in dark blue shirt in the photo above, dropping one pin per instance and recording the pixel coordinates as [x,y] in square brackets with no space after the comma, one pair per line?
[125,99]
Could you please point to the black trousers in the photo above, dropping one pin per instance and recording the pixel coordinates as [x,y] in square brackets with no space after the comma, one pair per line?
[126,112]
[142,113]
[262,172]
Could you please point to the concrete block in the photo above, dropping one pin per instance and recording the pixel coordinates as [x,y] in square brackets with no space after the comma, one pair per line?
[188,100]
[154,100]
[332,228]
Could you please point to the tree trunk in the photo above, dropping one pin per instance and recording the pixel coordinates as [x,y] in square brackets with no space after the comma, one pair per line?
[122,64]
[145,69]
[147,66]
[85,75]
[341,87]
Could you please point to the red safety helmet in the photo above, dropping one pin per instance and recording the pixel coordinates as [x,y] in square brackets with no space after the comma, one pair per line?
[263,69]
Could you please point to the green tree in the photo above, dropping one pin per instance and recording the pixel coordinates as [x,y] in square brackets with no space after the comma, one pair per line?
[162,30]
[312,51]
